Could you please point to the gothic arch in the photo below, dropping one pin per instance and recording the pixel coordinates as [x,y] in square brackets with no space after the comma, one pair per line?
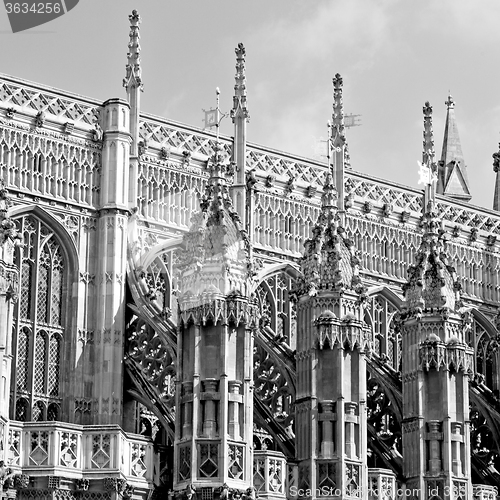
[383,305]
[43,317]
[483,339]
[67,243]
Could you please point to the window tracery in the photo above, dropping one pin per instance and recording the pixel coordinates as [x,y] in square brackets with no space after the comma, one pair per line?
[38,323]
[486,349]
[386,342]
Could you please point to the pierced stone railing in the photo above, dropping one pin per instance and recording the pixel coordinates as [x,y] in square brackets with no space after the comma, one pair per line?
[76,451]
[381,484]
[24,95]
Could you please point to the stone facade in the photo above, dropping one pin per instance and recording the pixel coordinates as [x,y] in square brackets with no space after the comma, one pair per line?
[187,315]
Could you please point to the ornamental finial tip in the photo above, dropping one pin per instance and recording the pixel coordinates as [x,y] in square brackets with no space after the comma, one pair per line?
[133,68]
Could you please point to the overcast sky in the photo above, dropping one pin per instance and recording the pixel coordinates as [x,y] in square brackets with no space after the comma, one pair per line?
[393,56]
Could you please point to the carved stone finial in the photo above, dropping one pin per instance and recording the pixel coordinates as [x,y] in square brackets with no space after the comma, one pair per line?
[240,90]
[450,103]
[330,261]
[329,196]
[428,143]
[432,282]
[496,160]
[338,128]
[133,68]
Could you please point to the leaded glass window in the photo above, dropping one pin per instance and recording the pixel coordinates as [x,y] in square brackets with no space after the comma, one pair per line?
[38,323]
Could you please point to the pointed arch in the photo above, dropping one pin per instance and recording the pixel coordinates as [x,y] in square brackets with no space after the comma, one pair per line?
[48,264]
[67,243]
[384,304]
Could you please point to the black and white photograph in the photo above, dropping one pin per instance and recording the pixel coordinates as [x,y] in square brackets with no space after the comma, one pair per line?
[249,250]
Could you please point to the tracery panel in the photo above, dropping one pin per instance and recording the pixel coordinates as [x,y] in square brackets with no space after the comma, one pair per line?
[278,312]
[379,314]
[486,351]
[38,320]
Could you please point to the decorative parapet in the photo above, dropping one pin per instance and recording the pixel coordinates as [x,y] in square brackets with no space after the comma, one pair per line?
[347,332]
[16,96]
[79,452]
[435,354]
[269,474]
[207,307]
[381,484]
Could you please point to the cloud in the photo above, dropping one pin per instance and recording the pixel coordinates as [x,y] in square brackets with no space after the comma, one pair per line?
[472,22]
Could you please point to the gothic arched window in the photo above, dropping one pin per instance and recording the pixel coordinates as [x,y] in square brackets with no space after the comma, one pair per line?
[386,343]
[38,324]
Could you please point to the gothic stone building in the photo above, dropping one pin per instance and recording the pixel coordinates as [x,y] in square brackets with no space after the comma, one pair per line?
[184,315]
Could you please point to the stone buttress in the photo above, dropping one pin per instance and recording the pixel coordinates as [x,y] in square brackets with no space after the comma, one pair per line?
[9,289]
[217,316]
[332,342]
[436,366]
[112,248]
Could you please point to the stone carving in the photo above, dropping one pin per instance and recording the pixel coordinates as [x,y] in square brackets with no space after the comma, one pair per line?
[40,119]
[82,484]
[270,180]
[133,78]
[164,153]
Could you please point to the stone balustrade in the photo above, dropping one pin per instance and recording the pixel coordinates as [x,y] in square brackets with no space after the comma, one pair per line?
[77,451]
[381,484]
[269,474]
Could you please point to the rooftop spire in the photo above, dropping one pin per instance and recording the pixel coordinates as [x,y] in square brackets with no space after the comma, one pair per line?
[496,169]
[432,284]
[133,68]
[133,85]
[428,150]
[243,201]
[339,153]
[330,261]
[240,88]
[338,128]
[429,159]
[453,179]
[338,125]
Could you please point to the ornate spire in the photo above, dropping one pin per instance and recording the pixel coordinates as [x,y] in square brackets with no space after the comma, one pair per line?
[216,251]
[133,75]
[338,126]
[432,283]
[338,129]
[338,111]
[453,179]
[428,154]
[496,169]
[429,159]
[240,88]
[329,261]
